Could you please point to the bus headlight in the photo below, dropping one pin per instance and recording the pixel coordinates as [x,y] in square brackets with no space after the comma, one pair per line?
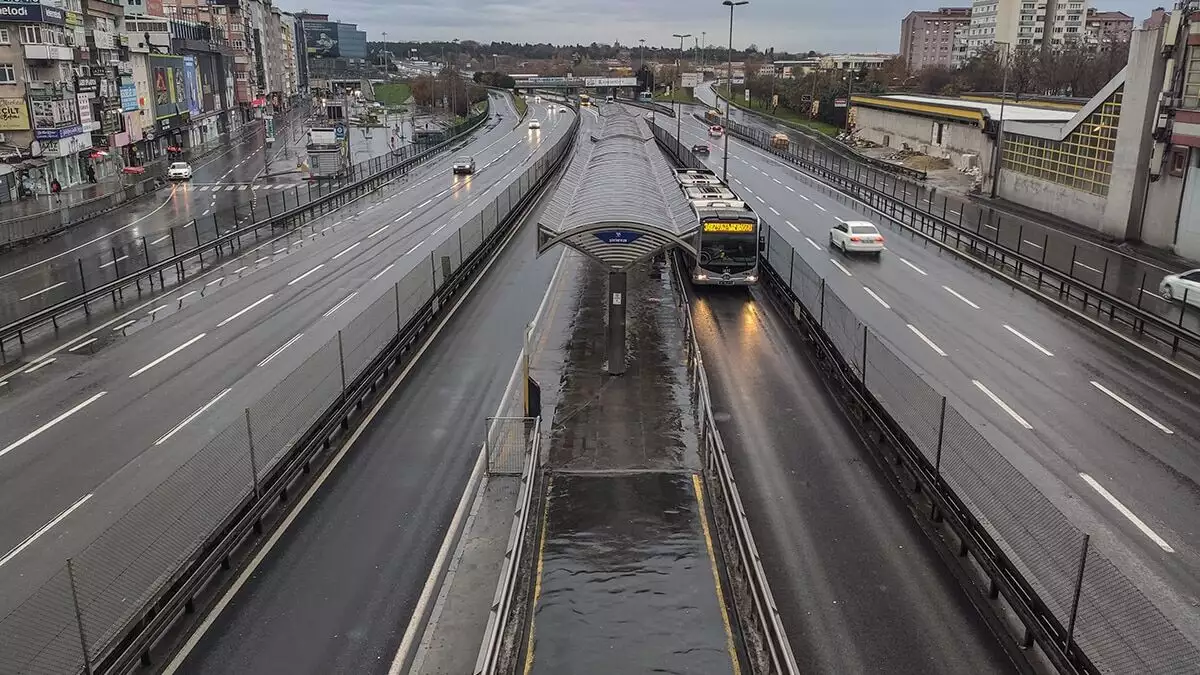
[751,278]
[701,277]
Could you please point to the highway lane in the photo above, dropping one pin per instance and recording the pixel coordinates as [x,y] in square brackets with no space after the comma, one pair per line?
[858,583]
[1041,365]
[1088,260]
[305,284]
[335,594]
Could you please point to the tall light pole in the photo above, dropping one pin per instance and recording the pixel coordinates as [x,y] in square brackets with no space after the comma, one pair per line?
[704,48]
[998,151]
[729,83]
[679,72]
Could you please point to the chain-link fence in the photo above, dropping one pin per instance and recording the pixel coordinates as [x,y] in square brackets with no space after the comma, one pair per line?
[110,588]
[1116,626]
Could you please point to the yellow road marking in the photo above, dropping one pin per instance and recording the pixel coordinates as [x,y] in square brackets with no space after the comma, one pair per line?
[537,586]
[712,560]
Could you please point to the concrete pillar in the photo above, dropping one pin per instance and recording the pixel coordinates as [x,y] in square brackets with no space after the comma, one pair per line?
[617,300]
[1131,158]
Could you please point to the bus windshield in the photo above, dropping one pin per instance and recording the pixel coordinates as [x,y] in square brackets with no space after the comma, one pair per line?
[732,251]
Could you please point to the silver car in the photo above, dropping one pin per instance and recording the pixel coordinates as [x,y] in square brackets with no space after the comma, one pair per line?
[1181,286]
[464,164]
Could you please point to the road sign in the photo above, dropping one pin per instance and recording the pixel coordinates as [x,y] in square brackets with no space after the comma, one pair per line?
[839,103]
[610,81]
[618,236]
[339,132]
[269,122]
[692,80]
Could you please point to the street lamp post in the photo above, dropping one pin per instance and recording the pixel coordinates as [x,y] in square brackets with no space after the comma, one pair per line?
[679,71]
[703,49]
[998,151]
[729,83]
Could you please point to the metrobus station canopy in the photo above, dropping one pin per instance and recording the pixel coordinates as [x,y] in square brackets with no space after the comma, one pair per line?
[618,202]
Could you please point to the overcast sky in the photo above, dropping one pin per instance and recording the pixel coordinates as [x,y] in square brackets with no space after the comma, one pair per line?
[795,25]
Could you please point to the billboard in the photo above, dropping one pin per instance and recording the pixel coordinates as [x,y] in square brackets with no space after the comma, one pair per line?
[30,12]
[129,95]
[191,85]
[210,95]
[167,90]
[610,81]
[322,39]
[14,114]
[692,80]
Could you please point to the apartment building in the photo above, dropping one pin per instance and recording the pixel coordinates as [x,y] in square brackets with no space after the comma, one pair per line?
[1106,29]
[1046,24]
[927,36]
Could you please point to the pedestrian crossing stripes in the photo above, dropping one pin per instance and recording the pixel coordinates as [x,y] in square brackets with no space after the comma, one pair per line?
[243,186]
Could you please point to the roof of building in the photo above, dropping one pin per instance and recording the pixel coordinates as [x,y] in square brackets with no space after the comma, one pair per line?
[963,110]
[617,182]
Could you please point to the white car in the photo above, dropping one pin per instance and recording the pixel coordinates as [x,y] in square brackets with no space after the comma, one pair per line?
[179,171]
[534,124]
[464,164]
[716,131]
[1176,286]
[856,236]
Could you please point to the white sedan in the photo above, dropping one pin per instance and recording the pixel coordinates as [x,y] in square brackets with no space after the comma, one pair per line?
[1179,286]
[534,124]
[179,171]
[856,236]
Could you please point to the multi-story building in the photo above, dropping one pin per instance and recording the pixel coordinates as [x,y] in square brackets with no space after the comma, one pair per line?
[1046,24]
[331,46]
[927,36]
[1106,29]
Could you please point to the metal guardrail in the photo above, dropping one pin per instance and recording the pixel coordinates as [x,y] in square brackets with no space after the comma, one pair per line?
[764,614]
[1027,272]
[1083,612]
[649,105]
[105,609]
[832,145]
[326,199]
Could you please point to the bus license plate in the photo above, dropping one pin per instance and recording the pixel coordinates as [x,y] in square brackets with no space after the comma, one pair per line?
[725,282]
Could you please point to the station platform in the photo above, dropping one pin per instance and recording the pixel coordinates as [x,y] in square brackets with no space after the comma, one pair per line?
[628,575]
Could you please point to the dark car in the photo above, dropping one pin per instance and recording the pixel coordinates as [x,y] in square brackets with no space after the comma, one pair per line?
[700,148]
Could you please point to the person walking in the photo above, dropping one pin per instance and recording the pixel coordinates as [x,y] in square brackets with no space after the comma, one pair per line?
[91,173]
[56,190]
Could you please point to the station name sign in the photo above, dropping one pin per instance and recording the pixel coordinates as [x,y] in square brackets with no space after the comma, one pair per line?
[731,228]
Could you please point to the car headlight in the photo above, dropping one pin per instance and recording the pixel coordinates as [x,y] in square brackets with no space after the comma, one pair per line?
[751,278]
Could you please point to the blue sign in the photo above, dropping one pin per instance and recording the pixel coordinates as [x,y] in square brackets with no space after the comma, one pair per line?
[129,97]
[618,236]
[339,132]
[24,12]
[57,134]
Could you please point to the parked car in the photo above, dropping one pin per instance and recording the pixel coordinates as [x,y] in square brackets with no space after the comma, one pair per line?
[700,149]
[464,164]
[179,171]
[856,236]
[534,124]
[1176,286]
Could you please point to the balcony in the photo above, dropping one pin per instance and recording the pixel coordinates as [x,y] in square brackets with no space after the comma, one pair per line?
[49,53]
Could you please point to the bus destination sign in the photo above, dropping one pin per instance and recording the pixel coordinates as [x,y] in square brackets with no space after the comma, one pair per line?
[732,228]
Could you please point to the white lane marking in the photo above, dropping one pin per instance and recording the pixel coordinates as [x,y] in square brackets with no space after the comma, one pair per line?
[926,340]
[789,223]
[425,203]
[1033,344]
[251,306]
[110,263]
[205,212]
[1003,406]
[915,268]
[840,267]
[737,181]
[1031,243]
[417,246]
[383,271]
[214,282]
[125,325]
[83,344]
[160,308]
[789,188]
[818,206]
[238,270]
[760,199]
[89,243]
[339,305]
[814,244]
[39,365]
[168,355]
[262,259]
[805,198]
[346,250]
[280,251]
[839,220]
[16,550]
[748,190]
[301,277]
[160,240]
[1137,522]
[777,181]
[1152,293]
[42,429]
[755,168]
[187,420]
[372,235]
[1127,404]
[1088,267]
[279,351]
[774,211]
[187,295]
[955,212]
[44,290]
[958,295]
[877,298]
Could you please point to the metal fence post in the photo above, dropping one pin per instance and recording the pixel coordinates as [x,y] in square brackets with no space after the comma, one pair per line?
[821,319]
[863,374]
[1083,551]
[934,514]
[253,458]
[399,324]
[87,660]
[342,362]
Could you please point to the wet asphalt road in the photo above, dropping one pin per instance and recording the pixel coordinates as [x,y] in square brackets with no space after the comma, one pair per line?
[336,594]
[225,188]
[1046,368]
[297,290]
[858,584]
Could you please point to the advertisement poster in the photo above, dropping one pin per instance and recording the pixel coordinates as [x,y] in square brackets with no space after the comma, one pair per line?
[322,39]
[191,84]
[162,89]
[209,94]
[14,114]
[85,108]
[167,86]
[129,95]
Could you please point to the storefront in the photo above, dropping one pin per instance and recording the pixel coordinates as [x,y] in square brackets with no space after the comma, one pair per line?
[61,148]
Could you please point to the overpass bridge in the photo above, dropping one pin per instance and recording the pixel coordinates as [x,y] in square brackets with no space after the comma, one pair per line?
[576,83]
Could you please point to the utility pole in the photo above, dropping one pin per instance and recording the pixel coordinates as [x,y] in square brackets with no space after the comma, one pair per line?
[729,83]
[998,151]
[703,48]
[679,71]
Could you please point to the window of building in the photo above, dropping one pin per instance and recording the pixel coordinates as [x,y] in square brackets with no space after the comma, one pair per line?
[31,35]
[5,38]
[1082,161]
[1179,161]
[8,74]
